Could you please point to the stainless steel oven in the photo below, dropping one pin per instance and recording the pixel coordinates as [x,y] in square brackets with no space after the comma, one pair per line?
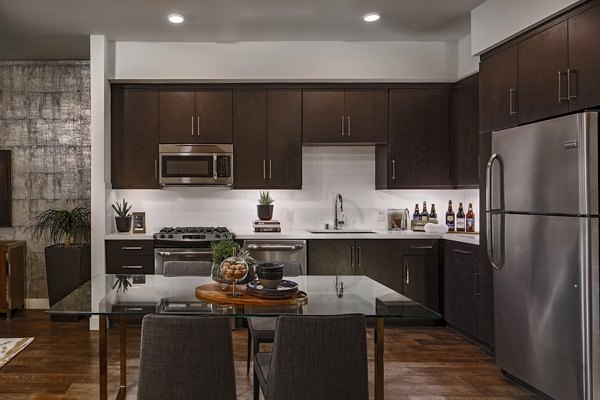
[190,243]
[163,254]
[195,164]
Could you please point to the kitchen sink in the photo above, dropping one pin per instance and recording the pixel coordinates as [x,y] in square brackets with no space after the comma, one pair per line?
[341,231]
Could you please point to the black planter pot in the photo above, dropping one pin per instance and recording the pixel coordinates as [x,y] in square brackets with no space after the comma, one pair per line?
[265,213]
[67,268]
[123,224]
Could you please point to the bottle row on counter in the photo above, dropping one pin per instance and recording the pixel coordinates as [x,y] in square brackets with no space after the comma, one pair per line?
[459,222]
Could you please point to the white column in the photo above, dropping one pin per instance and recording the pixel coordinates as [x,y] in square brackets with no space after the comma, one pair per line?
[100,70]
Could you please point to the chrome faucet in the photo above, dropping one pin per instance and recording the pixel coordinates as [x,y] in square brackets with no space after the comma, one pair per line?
[336,221]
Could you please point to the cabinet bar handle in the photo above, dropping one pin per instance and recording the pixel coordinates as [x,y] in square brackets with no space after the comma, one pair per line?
[192,125]
[462,252]
[264,169]
[198,126]
[342,125]
[569,95]
[477,284]
[407,279]
[511,99]
[352,257]
[393,169]
[133,309]
[560,96]
[348,125]
[270,170]
[131,248]
[358,261]
[132,266]
[155,168]
[421,247]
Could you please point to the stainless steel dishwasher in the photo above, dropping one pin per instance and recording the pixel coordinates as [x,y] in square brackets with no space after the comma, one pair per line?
[278,250]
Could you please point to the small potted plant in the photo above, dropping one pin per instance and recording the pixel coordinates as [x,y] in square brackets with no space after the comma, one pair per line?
[123,218]
[265,206]
[223,249]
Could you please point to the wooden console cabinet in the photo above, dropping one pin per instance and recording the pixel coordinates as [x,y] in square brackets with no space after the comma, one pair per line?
[12,276]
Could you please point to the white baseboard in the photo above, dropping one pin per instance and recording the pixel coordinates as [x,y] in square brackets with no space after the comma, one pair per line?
[37,304]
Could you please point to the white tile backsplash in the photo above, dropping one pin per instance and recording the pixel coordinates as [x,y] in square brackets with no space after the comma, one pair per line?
[327,170]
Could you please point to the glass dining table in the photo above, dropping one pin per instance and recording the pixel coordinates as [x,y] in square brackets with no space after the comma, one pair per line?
[126,296]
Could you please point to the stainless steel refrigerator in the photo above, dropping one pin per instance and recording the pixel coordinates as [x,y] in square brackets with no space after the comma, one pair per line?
[542,231]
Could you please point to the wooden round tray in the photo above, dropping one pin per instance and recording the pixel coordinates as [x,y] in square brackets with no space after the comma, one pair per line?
[212,293]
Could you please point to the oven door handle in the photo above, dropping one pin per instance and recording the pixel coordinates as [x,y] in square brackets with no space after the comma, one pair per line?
[182,253]
[283,247]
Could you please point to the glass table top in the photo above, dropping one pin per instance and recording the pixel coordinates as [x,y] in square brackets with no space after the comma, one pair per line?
[143,294]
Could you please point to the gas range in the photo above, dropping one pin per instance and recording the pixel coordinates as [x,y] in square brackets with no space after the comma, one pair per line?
[190,236]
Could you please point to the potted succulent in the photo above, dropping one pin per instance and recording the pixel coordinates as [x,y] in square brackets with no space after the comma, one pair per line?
[68,259]
[123,218]
[265,206]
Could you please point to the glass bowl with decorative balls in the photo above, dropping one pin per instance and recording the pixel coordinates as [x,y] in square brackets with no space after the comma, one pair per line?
[233,270]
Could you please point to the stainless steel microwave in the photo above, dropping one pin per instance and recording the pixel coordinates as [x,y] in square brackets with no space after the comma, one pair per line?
[195,164]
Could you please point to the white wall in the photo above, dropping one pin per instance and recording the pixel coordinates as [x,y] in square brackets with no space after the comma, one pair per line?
[496,21]
[348,170]
[289,61]
[467,63]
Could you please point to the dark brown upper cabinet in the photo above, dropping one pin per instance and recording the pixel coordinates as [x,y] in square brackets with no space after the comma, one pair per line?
[543,64]
[498,89]
[134,138]
[196,116]
[555,66]
[351,116]
[267,139]
[584,60]
[418,150]
[5,188]
[465,133]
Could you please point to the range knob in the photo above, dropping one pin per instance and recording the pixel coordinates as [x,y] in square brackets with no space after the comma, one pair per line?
[170,236]
[162,235]
[217,236]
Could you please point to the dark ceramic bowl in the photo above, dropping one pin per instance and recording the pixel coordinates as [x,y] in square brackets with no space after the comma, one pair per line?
[269,274]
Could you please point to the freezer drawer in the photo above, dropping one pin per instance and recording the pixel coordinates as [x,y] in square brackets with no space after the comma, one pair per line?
[537,303]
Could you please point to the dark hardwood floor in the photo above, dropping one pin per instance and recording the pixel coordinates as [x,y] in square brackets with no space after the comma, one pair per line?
[421,363]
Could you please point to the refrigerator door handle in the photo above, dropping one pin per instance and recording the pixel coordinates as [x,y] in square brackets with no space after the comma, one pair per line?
[489,224]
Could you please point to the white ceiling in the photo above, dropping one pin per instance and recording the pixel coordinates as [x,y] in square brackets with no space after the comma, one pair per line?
[59,29]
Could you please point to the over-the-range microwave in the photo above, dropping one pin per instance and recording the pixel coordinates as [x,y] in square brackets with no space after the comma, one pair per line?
[195,164]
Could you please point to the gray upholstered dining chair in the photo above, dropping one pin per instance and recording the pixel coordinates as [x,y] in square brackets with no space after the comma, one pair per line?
[315,357]
[262,329]
[187,268]
[186,358]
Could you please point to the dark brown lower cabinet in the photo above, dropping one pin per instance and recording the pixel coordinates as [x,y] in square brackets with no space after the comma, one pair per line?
[421,272]
[380,260]
[12,276]
[331,257]
[467,292]
[129,257]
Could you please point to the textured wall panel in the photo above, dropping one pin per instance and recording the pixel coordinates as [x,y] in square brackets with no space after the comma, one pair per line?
[45,122]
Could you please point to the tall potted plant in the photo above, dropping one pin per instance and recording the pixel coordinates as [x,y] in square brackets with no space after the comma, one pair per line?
[68,260]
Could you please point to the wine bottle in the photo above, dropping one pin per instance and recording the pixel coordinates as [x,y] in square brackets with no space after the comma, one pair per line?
[417,214]
[470,219]
[424,214]
[450,217]
[460,219]
[433,214]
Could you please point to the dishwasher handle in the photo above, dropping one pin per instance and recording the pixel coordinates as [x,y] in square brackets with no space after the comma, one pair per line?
[182,253]
[279,247]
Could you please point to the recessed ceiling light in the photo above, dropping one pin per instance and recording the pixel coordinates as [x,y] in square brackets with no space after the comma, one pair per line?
[176,18]
[371,17]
